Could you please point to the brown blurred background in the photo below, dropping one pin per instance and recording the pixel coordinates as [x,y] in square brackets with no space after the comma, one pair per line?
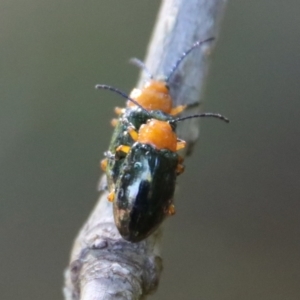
[236,232]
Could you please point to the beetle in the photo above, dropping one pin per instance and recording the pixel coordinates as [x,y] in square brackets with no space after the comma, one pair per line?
[144,190]
[142,162]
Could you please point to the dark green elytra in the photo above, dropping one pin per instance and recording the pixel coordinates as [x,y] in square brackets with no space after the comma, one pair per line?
[135,117]
[144,191]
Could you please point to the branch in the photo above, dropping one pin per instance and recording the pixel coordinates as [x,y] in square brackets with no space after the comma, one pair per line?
[102,264]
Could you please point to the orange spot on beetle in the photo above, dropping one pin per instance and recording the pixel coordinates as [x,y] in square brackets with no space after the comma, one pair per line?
[111,196]
[171,210]
[153,96]
[159,134]
[103,164]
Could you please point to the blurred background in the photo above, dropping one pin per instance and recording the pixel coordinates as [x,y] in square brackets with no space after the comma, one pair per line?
[236,231]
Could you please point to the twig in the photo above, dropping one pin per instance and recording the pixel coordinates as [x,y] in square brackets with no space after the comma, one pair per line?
[102,264]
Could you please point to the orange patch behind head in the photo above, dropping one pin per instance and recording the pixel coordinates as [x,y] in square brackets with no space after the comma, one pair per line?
[158,134]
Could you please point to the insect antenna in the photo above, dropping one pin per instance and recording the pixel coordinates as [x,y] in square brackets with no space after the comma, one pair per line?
[211,115]
[184,54]
[137,62]
[124,95]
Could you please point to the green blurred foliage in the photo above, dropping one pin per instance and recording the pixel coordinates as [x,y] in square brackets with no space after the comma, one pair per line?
[236,233]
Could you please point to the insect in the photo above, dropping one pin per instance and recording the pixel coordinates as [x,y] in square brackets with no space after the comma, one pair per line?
[144,191]
[142,162]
